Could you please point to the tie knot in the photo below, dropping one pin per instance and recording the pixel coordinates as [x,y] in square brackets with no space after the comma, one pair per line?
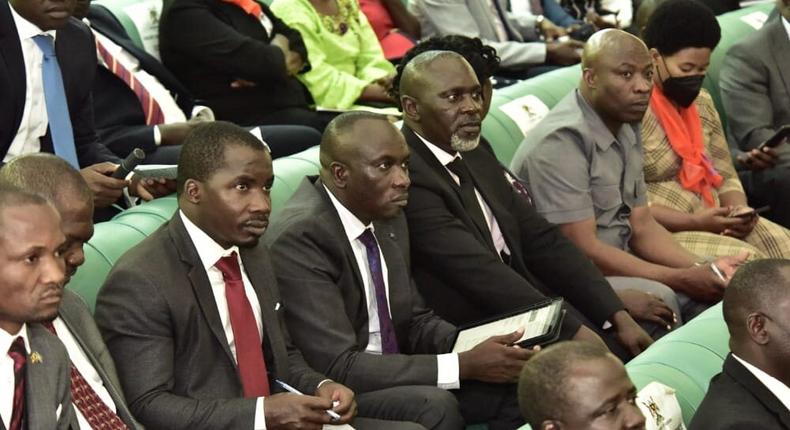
[229,266]
[49,326]
[368,239]
[46,43]
[458,167]
[17,348]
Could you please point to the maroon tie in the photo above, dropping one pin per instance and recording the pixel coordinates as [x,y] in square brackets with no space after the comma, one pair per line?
[90,405]
[18,354]
[249,349]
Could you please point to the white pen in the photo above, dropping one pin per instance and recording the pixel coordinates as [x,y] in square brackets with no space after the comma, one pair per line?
[290,389]
[717,271]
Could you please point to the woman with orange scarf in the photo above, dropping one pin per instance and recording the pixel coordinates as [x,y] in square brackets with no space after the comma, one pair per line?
[692,184]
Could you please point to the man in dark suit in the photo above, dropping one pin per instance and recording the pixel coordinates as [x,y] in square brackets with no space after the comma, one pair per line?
[479,249]
[241,59]
[34,386]
[27,29]
[121,120]
[755,91]
[192,314]
[333,308]
[753,389]
[54,179]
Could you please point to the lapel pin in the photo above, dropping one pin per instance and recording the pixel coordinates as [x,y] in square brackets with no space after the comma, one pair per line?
[35,357]
[392,235]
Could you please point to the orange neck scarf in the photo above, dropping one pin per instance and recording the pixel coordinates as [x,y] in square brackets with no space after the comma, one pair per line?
[683,128]
[250,6]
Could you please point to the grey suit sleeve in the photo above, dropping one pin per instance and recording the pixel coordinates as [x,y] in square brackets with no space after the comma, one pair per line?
[454,17]
[320,327]
[135,321]
[744,92]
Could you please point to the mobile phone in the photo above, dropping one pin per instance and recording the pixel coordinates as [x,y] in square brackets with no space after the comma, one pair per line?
[777,138]
[749,212]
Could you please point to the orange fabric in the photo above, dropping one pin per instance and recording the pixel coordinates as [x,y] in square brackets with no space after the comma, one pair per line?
[250,6]
[683,128]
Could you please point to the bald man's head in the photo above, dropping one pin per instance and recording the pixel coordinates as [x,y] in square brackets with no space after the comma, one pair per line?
[617,77]
[364,163]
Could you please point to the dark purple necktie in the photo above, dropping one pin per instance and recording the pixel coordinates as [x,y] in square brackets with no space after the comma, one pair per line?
[19,355]
[389,342]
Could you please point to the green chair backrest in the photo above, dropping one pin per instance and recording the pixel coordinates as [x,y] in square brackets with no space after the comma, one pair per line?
[140,19]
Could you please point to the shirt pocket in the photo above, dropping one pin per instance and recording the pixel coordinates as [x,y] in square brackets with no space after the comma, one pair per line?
[607,197]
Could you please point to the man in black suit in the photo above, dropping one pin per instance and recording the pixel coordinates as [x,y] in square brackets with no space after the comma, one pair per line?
[24,115]
[54,179]
[241,59]
[753,389]
[335,314]
[192,314]
[120,117]
[479,249]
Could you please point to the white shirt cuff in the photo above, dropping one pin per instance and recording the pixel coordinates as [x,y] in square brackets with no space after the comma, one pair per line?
[157,136]
[260,418]
[449,377]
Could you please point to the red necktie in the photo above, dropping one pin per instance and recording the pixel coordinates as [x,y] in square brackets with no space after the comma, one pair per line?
[18,354]
[151,109]
[90,405]
[250,6]
[249,348]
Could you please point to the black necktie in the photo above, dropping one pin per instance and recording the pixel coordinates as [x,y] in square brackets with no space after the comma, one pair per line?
[469,198]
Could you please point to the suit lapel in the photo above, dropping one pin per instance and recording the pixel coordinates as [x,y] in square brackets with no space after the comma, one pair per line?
[199,280]
[260,279]
[11,55]
[397,278]
[39,381]
[781,50]
[750,382]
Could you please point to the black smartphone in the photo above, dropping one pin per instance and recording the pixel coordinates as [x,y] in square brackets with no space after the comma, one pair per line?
[777,138]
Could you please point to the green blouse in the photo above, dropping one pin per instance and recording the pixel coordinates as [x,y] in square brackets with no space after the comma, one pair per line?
[343,50]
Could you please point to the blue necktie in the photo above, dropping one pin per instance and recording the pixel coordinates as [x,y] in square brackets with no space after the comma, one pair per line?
[57,107]
[389,342]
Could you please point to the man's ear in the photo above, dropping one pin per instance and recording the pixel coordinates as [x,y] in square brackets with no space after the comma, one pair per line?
[339,174]
[589,77]
[410,108]
[755,326]
[193,191]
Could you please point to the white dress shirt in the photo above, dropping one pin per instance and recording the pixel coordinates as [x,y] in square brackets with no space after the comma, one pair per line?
[775,386]
[7,372]
[210,252]
[34,115]
[786,23]
[493,226]
[86,369]
[448,370]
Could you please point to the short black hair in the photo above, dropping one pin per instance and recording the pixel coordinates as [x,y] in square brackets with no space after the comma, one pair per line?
[680,24]
[754,288]
[482,58]
[203,150]
[12,196]
[543,384]
[338,126]
[47,175]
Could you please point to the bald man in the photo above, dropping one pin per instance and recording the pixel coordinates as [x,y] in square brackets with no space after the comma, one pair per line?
[753,389]
[583,164]
[62,185]
[478,248]
[387,346]
[578,386]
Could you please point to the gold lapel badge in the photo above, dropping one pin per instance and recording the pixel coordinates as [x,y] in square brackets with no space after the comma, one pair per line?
[35,357]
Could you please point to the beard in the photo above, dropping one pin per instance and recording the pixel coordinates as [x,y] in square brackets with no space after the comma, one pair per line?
[463,145]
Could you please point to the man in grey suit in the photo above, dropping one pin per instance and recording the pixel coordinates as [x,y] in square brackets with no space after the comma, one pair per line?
[192,314]
[54,179]
[755,90]
[387,346]
[515,40]
[34,367]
